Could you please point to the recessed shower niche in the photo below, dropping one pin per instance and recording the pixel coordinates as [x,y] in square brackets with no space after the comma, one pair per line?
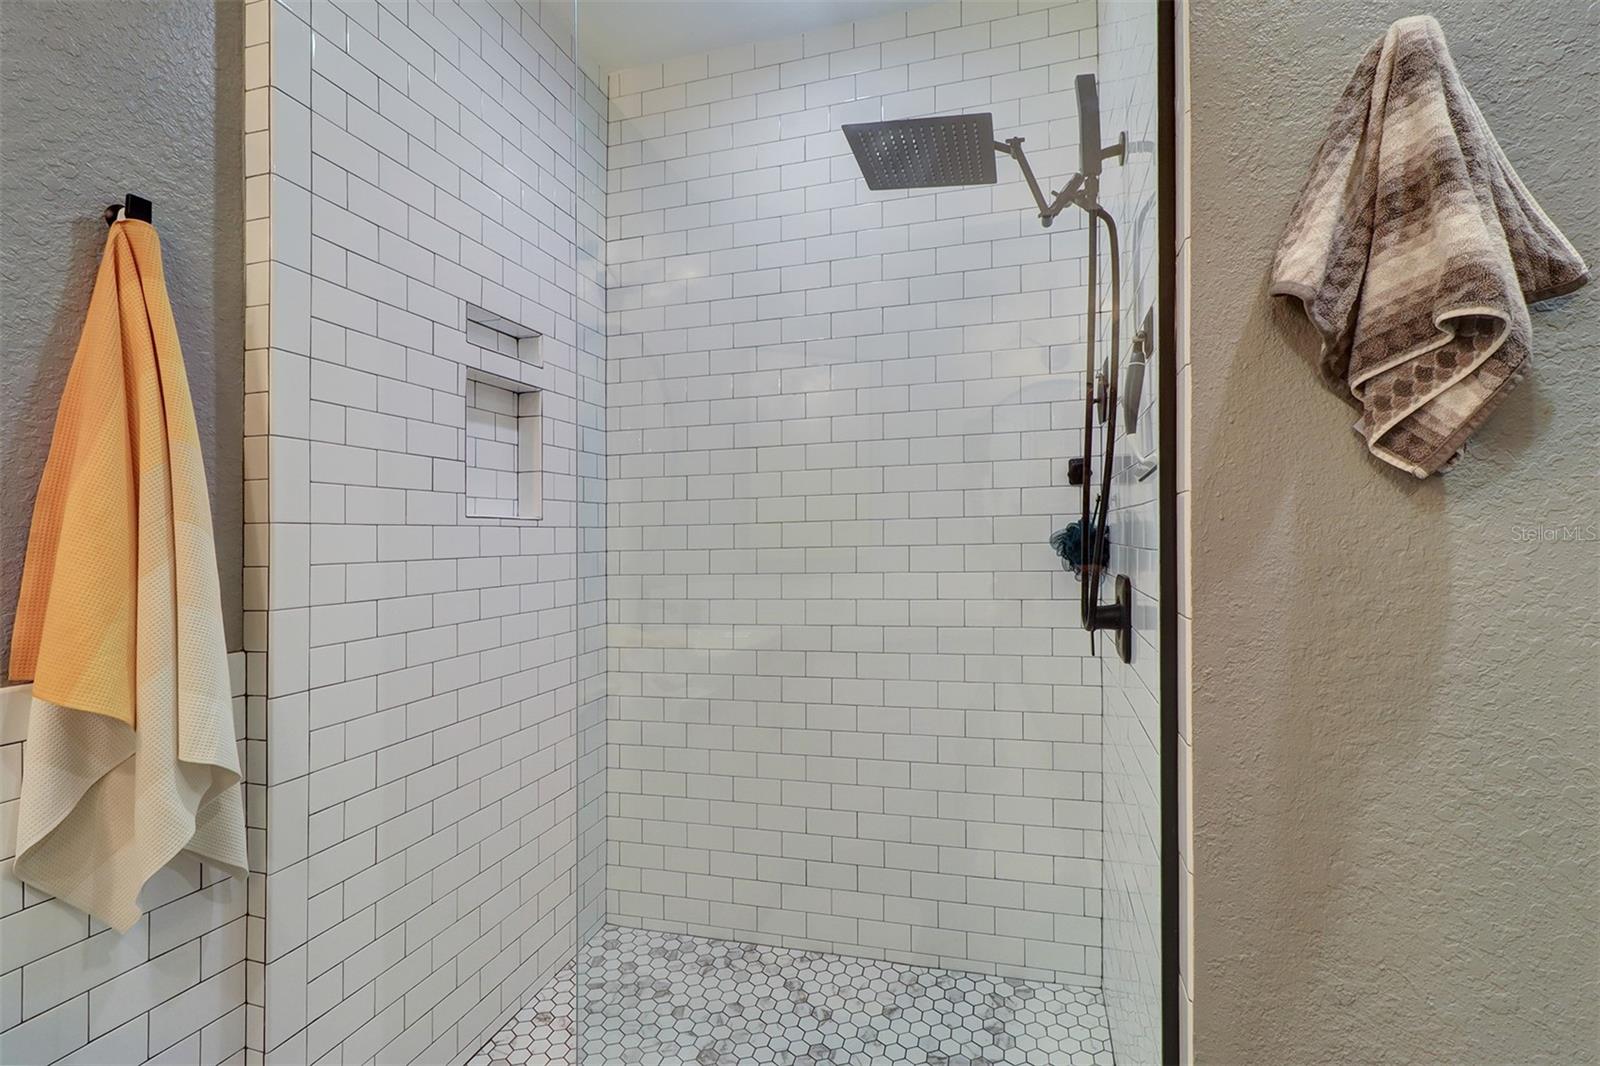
[504,430]
[497,333]
[504,442]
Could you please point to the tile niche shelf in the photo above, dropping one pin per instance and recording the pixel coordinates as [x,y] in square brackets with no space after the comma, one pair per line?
[497,333]
[504,441]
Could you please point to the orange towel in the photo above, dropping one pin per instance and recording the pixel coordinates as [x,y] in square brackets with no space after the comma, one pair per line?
[131,754]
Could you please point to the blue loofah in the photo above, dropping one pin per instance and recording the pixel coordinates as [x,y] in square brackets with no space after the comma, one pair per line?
[1068,543]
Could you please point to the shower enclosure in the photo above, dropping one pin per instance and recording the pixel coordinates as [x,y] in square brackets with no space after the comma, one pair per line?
[658,647]
[872,792]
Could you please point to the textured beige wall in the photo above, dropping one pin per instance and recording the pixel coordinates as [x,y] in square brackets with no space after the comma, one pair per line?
[99,98]
[1396,693]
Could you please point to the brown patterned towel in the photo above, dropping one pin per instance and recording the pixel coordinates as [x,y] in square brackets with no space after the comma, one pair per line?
[1415,250]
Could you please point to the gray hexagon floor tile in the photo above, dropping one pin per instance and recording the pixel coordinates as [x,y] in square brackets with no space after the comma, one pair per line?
[665,999]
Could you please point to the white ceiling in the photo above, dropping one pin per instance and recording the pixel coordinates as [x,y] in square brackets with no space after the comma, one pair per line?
[617,34]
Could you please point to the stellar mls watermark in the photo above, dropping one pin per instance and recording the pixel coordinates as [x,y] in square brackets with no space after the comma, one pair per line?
[1539,533]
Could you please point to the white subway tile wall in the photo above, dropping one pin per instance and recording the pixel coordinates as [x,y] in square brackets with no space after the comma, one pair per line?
[435,681]
[852,708]
[171,989]
[1132,869]
[593,667]
[260,103]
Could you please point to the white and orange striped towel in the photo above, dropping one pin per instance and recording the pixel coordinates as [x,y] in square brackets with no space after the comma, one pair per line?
[131,755]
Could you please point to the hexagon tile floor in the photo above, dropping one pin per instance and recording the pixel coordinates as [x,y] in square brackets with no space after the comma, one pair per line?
[664,999]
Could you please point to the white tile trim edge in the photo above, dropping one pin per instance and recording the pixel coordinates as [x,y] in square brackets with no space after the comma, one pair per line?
[14,702]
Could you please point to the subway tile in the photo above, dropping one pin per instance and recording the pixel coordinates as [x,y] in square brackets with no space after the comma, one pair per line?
[49,1036]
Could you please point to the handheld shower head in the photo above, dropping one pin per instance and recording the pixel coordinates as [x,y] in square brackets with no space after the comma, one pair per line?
[1090,152]
[1088,125]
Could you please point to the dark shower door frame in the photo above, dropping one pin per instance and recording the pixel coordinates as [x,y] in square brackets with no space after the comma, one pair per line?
[1167,104]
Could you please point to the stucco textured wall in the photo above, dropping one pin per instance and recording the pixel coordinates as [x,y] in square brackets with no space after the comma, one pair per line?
[98,99]
[1394,686]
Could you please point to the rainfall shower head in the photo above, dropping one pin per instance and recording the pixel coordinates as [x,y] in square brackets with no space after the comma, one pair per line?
[948,150]
[925,153]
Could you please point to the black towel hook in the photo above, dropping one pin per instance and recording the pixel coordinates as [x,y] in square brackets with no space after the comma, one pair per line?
[136,207]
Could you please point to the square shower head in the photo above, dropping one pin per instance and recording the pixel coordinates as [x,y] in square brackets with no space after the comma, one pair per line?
[925,153]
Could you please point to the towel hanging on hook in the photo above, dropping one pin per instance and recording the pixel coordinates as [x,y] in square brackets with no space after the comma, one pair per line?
[131,753]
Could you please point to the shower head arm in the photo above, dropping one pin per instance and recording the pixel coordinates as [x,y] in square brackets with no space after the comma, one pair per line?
[1079,189]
